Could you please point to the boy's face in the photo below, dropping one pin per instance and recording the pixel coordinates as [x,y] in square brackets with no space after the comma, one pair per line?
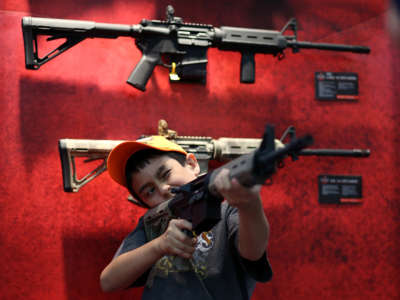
[154,182]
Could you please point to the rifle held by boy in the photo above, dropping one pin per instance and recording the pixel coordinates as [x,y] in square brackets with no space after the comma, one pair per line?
[199,202]
[180,47]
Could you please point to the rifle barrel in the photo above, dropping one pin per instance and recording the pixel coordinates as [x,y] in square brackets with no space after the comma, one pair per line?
[325,46]
[335,152]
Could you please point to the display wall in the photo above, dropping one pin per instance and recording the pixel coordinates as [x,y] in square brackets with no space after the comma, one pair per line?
[54,244]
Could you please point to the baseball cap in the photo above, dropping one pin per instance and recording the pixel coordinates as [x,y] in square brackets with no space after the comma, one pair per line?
[118,157]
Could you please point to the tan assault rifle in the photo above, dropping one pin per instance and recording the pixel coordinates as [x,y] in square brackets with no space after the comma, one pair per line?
[204,148]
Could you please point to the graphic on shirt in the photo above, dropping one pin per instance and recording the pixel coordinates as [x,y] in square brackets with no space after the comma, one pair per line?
[205,241]
[173,265]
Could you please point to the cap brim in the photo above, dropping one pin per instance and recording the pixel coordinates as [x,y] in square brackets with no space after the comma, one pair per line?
[119,156]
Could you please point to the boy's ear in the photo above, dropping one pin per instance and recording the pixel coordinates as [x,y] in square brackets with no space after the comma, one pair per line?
[191,161]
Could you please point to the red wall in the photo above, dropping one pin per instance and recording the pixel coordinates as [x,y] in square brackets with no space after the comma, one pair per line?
[54,244]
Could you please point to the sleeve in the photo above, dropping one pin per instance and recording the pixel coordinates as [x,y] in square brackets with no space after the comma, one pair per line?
[135,239]
[260,270]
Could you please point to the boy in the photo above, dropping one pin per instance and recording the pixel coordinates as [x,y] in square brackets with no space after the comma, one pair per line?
[224,263]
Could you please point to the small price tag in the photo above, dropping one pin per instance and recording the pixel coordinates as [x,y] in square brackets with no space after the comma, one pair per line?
[339,189]
[336,86]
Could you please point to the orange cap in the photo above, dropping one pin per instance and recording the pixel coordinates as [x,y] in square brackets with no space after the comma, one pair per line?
[118,157]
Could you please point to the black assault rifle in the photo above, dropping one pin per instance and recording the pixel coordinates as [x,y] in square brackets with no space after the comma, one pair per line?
[199,202]
[180,47]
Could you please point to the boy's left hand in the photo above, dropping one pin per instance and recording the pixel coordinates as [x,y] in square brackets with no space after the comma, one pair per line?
[236,194]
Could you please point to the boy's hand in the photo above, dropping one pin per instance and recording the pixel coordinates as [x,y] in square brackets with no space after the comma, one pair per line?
[237,195]
[253,230]
[175,242]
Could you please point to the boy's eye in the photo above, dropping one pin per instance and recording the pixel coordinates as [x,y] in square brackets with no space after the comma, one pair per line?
[149,191]
[166,174]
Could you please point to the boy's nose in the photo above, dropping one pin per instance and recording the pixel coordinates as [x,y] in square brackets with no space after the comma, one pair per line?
[165,190]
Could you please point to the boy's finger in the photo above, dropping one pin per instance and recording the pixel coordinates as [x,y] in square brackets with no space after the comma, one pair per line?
[180,248]
[183,224]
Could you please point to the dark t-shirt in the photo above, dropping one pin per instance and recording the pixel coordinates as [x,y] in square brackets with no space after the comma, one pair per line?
[216,271]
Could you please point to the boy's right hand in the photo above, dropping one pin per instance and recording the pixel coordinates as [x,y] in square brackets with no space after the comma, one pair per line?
[175,242]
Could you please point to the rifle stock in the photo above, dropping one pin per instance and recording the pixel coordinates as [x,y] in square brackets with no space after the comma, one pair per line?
[74,31]
[69,149]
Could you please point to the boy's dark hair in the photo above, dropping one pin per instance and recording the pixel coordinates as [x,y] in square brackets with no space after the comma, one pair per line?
[139,160]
